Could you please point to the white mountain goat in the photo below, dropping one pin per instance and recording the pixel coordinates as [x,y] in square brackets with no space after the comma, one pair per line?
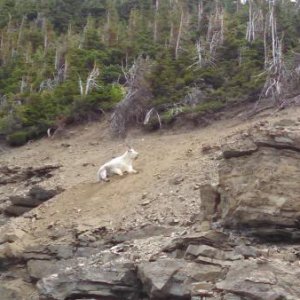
[118,165]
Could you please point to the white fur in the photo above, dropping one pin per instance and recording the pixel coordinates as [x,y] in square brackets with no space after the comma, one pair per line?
[118,165]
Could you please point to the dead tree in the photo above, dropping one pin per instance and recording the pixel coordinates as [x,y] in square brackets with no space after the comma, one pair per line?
[179,33]
[206,47]
[52,83]
[91,82]
[133,108]
[199,13]
[279,78]
[156,8]
[255,25]
[21,31]
[23,84]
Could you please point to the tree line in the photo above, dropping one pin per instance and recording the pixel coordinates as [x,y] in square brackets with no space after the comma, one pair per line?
[74,60]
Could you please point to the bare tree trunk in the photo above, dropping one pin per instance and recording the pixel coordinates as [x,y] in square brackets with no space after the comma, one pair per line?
[45,35]
[209,29]
[66,69]
[2,41]
[171,36]
[266,54]
[23,85]
[222,26]
[179,34]
[45,42]
[250,29]
[27,56]
[273,33]
[9,23]
[155,20]
[107,27]
[21,31]
[238,5]
[200,12]
[56,60]
[277,82]
[91,82]
[81,87]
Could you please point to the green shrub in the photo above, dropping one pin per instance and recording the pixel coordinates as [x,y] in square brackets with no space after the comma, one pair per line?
[205,107]
[17,138]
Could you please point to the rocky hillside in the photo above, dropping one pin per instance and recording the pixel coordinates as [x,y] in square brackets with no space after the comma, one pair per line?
[213,213]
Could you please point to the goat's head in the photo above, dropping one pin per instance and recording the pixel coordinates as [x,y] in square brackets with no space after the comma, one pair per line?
[132,153]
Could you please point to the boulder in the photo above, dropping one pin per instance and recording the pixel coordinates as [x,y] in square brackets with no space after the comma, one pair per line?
[42,194]
[203,250]
[90,279]
[17,289]
[241,146]
[24,202]
[17,174]
[246,251]
[230,296]
[212,238]
[38,269]
[274,280]
[259,187]
[16,210]
[174,278]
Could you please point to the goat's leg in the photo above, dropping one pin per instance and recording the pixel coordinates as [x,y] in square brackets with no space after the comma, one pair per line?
[130,169]
[118,171]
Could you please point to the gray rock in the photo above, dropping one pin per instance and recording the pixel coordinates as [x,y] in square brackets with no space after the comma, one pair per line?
[275,280]
[16,210]
[38,269]
[239,147]
[212,261]
[203,250]
[232,297]
[177,179]
[259,187]
[38,252]
[231,255]
[156,276]
[212,238]
[42,194]
[285,122]
[89,278]
[246,251]
[61,251]
[173,278]
[17,289]
[26,201]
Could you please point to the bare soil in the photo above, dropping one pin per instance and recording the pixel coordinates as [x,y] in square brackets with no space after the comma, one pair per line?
[171,166]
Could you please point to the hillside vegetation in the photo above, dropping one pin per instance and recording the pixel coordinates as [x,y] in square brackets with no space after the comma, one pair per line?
[64,61]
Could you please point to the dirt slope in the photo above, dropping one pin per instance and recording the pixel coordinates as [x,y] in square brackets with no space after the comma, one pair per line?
[154,195]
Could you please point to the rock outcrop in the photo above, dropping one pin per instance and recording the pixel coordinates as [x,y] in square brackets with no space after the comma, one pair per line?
[91,278]
[20,204]
[262,280]
[18,174]
[259,182]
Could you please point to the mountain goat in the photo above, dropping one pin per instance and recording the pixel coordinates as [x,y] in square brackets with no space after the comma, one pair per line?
[118,165]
